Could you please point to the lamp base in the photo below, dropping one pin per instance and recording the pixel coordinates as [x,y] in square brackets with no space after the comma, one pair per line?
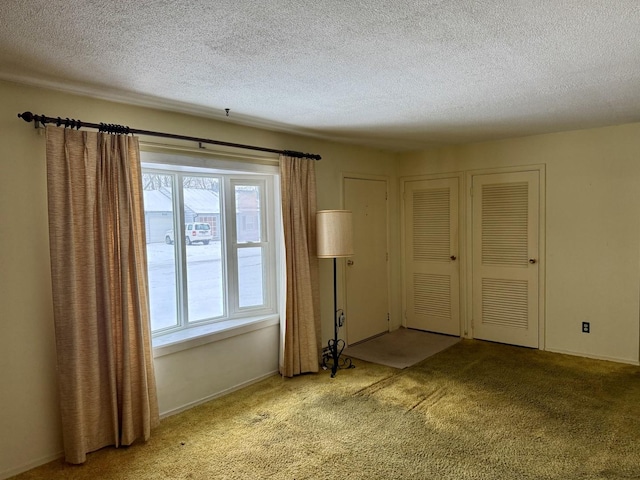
[331,357]
[331,354]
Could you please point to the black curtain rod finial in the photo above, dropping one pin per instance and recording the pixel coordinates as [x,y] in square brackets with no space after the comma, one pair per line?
[26,116]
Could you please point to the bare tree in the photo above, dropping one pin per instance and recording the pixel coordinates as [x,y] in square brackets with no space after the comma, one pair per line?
[157,181]
[205,183]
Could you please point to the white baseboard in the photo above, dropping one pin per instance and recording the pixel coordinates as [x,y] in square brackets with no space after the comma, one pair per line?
[595,357]
[189,405]
[28,466]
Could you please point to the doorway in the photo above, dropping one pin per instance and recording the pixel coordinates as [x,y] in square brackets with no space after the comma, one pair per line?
[366,272]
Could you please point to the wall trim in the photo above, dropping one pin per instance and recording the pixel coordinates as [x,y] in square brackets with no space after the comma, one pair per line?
[594,357]
[195,403]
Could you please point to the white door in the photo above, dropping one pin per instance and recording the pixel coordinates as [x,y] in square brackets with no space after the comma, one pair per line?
[505,257]
[432,276]
[367,298]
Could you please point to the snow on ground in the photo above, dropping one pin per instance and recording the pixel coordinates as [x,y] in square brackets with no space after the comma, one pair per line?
[205,292]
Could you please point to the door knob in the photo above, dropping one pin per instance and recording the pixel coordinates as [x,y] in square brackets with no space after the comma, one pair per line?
[532,261]
[349,262]
[453,257]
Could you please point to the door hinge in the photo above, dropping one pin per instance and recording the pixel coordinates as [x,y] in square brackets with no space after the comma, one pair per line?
[388,319]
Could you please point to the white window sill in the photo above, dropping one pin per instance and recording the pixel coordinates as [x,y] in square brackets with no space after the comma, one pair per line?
[212,332]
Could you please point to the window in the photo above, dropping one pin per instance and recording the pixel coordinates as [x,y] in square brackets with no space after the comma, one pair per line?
[210,245]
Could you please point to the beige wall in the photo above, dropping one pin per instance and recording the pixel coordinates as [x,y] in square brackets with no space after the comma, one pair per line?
[592,264]
[190,376]
[28,401]
[592,229]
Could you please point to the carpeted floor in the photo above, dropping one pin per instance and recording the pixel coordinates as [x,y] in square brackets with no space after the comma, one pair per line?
[473,411]
[401,348]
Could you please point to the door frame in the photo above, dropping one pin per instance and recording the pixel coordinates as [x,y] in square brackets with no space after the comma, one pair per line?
[469,174]
[343,271]
[462,214]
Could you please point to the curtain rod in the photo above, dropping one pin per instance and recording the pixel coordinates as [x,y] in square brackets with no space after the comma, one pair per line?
[122,130]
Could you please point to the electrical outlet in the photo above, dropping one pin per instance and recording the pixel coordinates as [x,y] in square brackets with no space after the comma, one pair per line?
[585,327]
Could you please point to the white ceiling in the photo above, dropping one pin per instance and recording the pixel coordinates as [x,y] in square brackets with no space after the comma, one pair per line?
[394,74]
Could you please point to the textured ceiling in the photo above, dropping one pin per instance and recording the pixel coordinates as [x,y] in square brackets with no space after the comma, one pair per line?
[397,74]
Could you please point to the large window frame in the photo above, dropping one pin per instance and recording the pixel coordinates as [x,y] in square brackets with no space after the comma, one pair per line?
[231,176]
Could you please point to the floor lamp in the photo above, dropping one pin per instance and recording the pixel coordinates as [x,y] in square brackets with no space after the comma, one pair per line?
[335,240]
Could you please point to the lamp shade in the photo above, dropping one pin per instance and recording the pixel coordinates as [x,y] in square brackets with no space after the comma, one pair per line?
[335,233]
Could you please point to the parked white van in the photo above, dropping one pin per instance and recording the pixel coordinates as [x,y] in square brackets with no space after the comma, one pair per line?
[193,232]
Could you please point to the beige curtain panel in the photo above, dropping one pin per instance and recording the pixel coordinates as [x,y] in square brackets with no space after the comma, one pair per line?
[302,314]
[98,270]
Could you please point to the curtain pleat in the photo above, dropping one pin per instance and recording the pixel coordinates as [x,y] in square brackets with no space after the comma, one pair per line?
[302,314]
[98,269]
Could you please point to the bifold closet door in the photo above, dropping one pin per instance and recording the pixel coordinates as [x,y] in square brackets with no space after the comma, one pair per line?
[505,257]
[432,275]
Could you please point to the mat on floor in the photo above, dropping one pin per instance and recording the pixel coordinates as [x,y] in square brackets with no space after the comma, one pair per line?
[401,348]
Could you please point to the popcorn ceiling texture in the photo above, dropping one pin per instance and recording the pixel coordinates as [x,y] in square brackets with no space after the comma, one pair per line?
[393,74]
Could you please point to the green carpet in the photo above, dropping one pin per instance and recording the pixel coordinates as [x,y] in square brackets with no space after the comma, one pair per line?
[474,411]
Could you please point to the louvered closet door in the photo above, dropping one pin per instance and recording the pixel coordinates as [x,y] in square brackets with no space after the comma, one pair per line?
[505,258]
[431,264]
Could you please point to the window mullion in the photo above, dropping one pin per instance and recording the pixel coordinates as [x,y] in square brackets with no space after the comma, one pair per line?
[231,246]
[183,296]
